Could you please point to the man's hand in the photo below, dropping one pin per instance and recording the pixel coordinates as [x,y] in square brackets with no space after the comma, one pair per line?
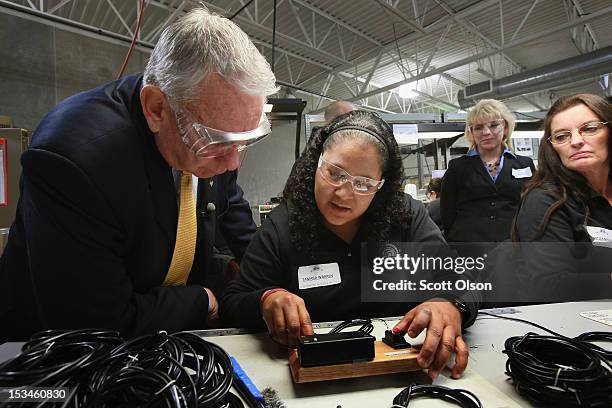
[443,322]
[213,309]
[286,316]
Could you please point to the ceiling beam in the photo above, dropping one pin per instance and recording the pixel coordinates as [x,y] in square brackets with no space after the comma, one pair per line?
[405,40]
[474,30]
[43,17]
[485,54]
[261,29]
[335,20]
[438,100]
[401,16]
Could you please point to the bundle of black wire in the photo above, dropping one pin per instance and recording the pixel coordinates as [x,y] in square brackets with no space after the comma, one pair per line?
[463,398]
[100,369]
[366,325]
[559,371]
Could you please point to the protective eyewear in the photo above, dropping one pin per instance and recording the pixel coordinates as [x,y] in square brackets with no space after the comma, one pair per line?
[337,176]
[494,126]
[205,141]
[586,130]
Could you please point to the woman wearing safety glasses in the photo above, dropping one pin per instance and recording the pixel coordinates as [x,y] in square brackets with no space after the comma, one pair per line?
[344,191]
[570,201]
[481,190]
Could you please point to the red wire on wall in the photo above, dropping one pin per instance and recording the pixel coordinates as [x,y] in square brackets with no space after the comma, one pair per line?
[133,43]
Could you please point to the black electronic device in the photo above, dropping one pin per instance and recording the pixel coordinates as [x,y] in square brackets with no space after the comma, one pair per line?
[396,340]
[335,348]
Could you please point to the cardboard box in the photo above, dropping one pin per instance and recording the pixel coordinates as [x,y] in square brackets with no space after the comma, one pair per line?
[13,141]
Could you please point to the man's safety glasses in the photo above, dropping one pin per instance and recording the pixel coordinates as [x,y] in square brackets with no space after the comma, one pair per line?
[337,176]
[205,141]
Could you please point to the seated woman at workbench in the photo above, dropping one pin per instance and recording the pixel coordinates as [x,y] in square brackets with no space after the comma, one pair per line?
[344,191]
[564,224]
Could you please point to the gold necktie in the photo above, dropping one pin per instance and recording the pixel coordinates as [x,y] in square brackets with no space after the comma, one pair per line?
[186,231]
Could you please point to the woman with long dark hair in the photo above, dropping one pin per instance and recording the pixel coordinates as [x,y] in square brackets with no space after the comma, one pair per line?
[305,262]
[570,201]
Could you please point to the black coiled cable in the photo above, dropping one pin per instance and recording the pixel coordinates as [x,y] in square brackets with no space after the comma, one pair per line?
[558,371]
[588,338]
[463,398]
[101,370]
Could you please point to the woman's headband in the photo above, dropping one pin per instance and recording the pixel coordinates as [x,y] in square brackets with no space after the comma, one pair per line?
[361,129]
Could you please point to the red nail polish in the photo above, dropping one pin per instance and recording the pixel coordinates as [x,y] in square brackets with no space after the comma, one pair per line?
[396,330]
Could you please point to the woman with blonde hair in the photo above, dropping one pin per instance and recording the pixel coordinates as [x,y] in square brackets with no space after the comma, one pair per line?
[481,190]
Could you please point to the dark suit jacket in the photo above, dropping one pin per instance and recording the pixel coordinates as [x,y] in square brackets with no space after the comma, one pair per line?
[473,207]
[96,224]
[434,213]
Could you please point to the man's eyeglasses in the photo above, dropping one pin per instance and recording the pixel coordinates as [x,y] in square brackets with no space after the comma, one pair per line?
[205,141]
[337,176]
[494,126]
[586,130]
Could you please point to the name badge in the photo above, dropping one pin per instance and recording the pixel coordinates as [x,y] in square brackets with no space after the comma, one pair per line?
[314,276]
[522,173]
[601,237]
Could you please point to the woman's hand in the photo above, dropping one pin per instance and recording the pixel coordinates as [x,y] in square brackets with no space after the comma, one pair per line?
[286,316]
[443,323]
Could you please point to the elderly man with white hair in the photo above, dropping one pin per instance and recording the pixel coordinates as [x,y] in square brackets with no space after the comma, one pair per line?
[124,187]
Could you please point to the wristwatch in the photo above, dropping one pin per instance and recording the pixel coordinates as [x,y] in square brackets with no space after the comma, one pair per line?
[461,306]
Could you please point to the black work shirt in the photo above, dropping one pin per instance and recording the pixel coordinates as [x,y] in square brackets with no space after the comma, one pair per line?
[554,267]
[567,224]
[271,261]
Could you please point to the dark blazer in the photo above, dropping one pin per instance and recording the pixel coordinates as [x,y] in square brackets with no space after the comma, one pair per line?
[473,207]
[96,225]
[433,208]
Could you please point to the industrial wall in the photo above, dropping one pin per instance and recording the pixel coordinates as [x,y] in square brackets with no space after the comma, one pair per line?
[46,64]
[268,164]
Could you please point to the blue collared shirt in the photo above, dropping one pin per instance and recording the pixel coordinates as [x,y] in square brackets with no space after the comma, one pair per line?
[474,152]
